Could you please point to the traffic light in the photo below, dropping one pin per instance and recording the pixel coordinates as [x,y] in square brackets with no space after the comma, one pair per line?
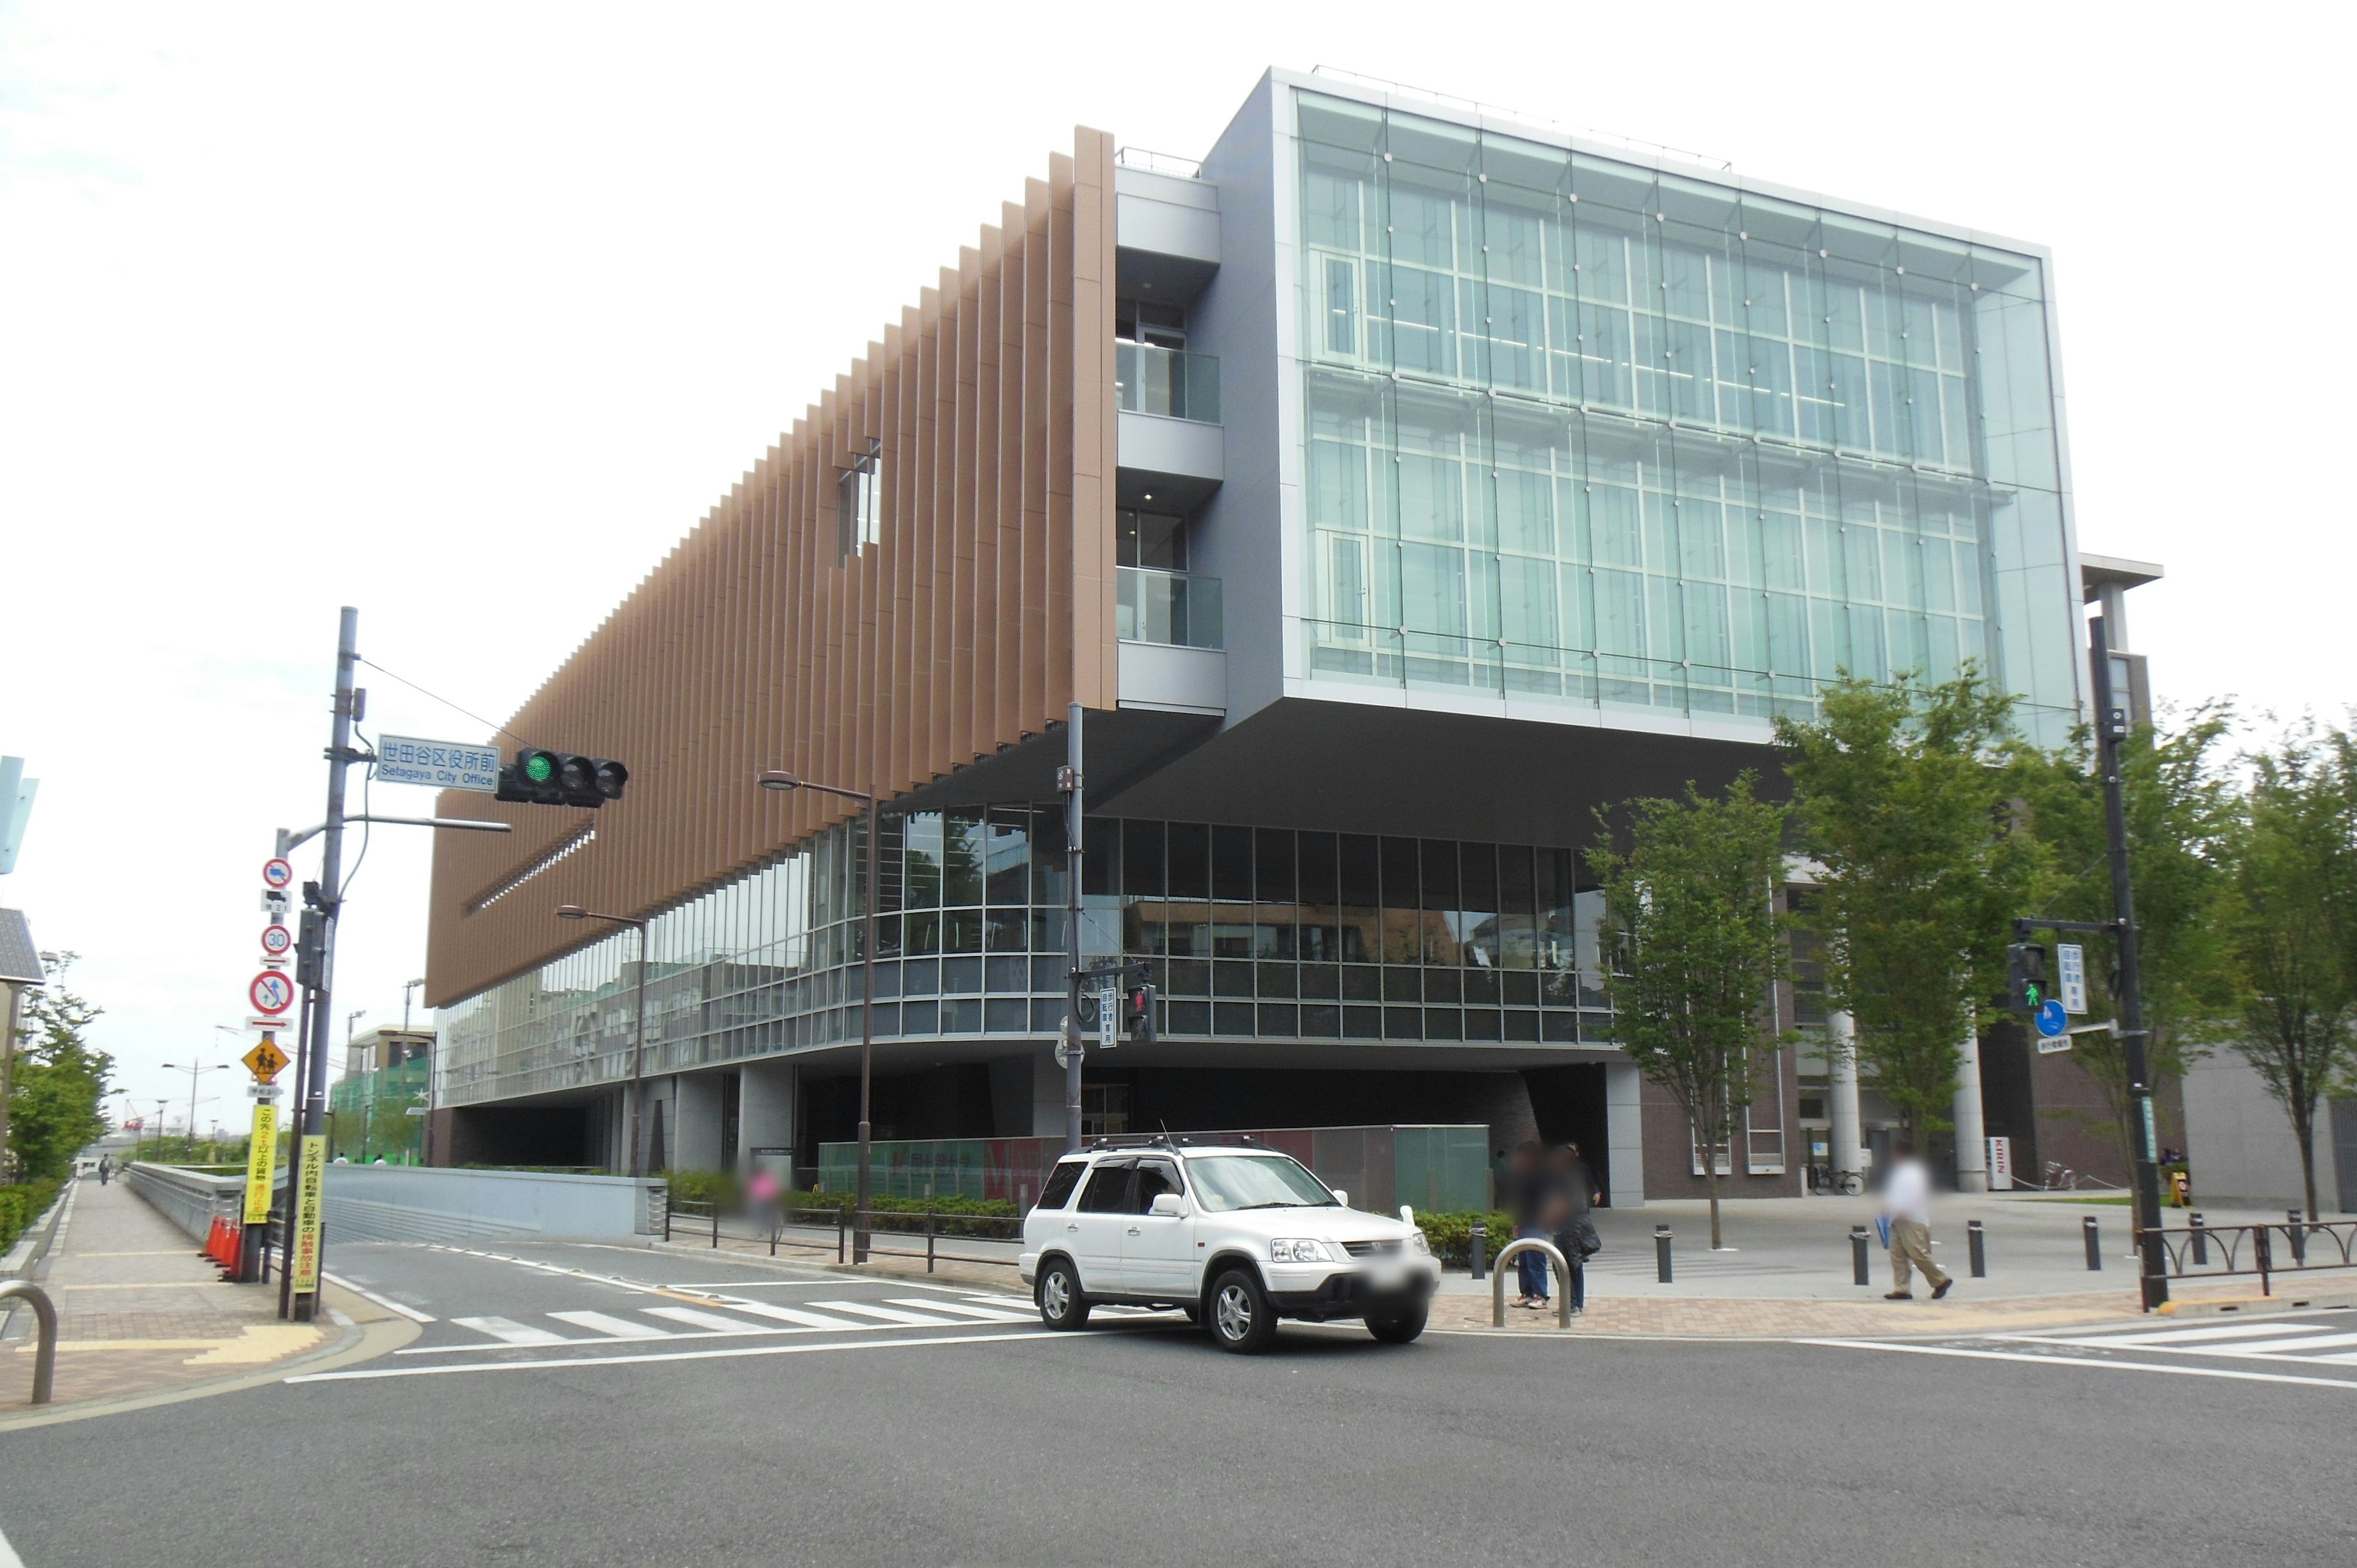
[2025,973]
[538,778]
[1137,1015]
[310,946]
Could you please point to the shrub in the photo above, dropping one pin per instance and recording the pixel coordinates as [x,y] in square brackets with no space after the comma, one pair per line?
[1450,1236]
[22,1203]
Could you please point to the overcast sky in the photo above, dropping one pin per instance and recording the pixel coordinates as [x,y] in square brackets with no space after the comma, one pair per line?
[464,314]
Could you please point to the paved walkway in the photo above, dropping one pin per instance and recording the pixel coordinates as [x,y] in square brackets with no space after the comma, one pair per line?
[138,1310]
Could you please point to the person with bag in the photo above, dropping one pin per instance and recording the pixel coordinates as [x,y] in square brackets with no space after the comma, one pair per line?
[1532,1192]
[1575,1200]
[1906,1225]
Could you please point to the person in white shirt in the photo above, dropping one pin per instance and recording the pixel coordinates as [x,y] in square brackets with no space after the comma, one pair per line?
[1906,1205]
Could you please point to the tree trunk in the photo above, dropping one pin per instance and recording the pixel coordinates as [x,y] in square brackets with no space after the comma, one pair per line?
[2305,1128]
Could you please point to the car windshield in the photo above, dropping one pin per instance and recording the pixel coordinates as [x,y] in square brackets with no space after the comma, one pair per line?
[1256,1181]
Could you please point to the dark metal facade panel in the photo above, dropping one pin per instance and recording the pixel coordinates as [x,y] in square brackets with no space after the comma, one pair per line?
[20,962]
[985,606]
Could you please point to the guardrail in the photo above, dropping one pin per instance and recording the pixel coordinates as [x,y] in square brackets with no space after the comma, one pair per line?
[1498,1280]
[45,1351]
[702,1220]
[189,1199]
[2245,1250]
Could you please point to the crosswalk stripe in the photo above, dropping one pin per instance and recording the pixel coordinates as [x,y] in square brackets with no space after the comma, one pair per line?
[2199,1336]
[2305,1343]
[888,1314]
[711,1320]
[790,1315]
[605,1322]
[964,1309]
[510,1330]
[1009,1301]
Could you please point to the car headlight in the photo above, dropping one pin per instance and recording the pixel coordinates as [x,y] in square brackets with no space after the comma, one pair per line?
[1299,1251]
[1416,1243]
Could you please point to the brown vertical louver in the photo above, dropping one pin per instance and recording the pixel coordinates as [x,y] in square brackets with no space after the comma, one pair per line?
[987,605]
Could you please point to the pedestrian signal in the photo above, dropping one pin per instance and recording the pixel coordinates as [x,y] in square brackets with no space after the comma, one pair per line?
[2025,972]
[1137,1015]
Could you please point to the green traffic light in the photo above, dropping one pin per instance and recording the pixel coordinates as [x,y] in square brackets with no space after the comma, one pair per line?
[539,766]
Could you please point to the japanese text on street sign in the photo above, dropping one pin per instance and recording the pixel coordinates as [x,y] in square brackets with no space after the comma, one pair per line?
[1108,1019]
[303,1273]
[262,1156]
[401,759]
[2070,976]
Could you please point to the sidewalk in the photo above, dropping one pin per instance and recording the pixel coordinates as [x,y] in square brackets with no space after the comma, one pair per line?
[139,1311]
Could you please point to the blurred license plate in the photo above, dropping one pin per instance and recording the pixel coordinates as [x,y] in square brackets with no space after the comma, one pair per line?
[1388,1276]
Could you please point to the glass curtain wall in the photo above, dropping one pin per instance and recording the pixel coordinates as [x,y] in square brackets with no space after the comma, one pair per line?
[1584,433]
[1247,933]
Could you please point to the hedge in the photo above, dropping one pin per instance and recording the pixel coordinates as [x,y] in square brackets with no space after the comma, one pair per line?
[22,1203]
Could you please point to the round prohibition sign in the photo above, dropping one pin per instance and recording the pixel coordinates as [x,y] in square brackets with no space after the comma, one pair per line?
[271,993]
[276,940]
[277,874]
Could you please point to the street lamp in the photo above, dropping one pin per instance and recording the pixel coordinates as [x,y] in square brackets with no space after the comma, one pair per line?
[639,1034]
[195,1071]
[778,780]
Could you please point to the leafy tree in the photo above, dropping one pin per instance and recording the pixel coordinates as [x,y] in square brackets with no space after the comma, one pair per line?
[57,1083]
[1904,795]
[2182,805]
[2291,929]
[1690,904]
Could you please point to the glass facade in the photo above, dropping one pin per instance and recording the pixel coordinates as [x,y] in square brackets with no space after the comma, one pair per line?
[1584,433]
[1250,933]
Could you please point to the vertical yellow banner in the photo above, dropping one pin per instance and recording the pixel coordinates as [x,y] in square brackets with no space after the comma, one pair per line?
[312,1170]
[260,1160]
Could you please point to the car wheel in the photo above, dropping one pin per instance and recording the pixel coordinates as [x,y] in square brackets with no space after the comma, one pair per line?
[1398,1327]
[1242,1319]
[1062,1304]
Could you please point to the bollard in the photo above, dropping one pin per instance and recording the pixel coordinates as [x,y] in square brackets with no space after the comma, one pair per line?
[2295,1228]
[45,1341]
[2195,1228]
[1662,1252]
[1978,1248]
[2094,1246]
[1857,1255]
[842,1234]
[929,1240]
[1478,1240]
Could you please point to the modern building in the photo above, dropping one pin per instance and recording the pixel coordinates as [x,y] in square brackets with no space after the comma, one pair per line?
[386,1073]
[1389,491]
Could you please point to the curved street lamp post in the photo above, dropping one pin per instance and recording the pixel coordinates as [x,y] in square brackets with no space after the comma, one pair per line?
[638,1032]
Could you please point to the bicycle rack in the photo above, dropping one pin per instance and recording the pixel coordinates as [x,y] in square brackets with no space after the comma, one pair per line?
[1498,1280]
[45,1355]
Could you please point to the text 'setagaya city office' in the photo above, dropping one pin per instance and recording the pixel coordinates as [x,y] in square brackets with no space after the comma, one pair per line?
[1392,490]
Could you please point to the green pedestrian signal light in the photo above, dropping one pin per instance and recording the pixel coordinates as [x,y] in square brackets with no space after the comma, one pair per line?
[2025,973]
[538,778]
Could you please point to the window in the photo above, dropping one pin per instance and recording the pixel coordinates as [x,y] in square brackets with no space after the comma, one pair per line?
[1060,1185]
[1105,1109]
[1153,541]
[1155,1178]
[1108,1189]
[1342,307]
[1257,1181]
[859,504]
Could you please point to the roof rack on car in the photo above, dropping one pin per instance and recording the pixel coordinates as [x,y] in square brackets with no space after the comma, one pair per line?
[1174,1141]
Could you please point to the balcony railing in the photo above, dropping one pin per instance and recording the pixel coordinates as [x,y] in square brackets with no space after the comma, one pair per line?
[1168,381]
[1169,607]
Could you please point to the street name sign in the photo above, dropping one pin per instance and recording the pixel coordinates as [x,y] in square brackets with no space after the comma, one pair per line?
[2070,977]
[265,1061]
[440,763]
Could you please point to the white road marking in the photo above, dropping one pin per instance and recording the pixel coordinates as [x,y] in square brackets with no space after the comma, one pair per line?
[1016,1302]
[1037,1334]
[9,1558]
[711,1320]
[385,1301]
[2181,1335]
[2350,1383]
[2298,1347]
[617,1327]
[964,1309]
[889,1313]
[792,1314]
[512,1332]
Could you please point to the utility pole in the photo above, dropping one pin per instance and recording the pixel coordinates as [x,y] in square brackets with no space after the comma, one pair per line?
[2111,729]
[1068,780]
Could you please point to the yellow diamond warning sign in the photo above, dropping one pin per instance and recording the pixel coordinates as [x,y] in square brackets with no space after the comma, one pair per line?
[265,1061]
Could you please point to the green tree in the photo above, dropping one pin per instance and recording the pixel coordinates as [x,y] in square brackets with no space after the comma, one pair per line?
[2182,805]
[1904,795]
[57,1083]
[2291,931]
[1690,908]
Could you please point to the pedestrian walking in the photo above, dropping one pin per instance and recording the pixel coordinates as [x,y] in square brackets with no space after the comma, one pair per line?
[763,1190]
[1907,1211]
[1532,1191]
[105,1169]
[1573,1228]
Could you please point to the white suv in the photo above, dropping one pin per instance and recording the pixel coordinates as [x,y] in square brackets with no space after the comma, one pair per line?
[1236,1235]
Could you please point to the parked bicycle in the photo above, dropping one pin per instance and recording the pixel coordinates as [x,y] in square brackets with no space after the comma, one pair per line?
[1824,1179]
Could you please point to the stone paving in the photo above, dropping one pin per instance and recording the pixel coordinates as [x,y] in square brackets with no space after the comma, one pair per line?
[139,1310]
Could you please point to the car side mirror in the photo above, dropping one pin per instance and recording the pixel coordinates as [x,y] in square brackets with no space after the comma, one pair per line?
[1168,1205]
[1342,1198]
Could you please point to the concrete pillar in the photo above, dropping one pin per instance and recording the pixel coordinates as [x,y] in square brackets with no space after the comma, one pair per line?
[765,1110]
[1624,1126]
[694,1127]
[1972,1131]
[1841,1062]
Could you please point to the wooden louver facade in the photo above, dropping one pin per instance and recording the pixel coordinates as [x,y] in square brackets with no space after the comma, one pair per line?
[984,608]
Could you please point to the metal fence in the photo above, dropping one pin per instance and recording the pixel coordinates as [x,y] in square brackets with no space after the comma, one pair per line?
[933,1235]
[189,1199]
[2292,1246]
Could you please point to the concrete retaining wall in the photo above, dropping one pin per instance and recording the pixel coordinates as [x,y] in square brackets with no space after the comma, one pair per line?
[189,1199]
[426,1203]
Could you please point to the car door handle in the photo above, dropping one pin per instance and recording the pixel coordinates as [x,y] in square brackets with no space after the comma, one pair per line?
[1074,1226]
[1133,1229]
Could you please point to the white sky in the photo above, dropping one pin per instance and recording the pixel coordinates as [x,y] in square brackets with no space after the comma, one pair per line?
[463,314]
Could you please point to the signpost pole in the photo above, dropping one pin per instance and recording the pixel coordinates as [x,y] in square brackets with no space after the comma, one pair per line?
[286,1220]
[310,1126]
